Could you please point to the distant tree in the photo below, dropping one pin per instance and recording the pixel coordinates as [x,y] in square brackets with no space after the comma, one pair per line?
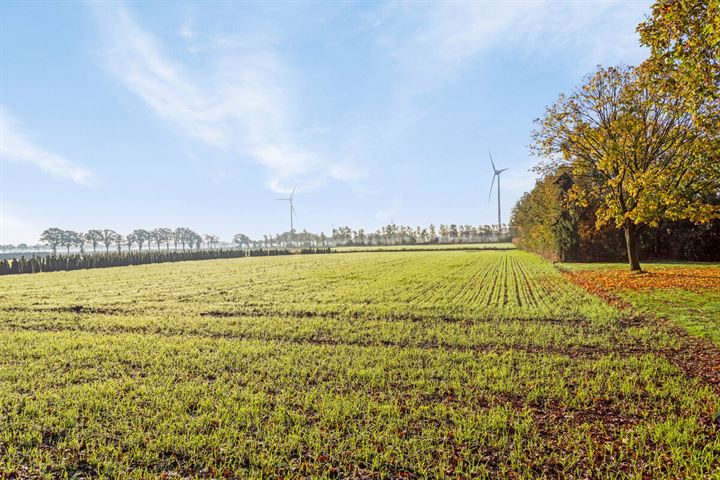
[94,237]
[212,240]
[140,236]
[453,232]
[53,237]
[130,240]
[443,232]
[185,236]
[165,235]
[118,241]
[177,237]
[80,242]
[108,238]
[69,239]
[241,240]
[632,149]
[152,236]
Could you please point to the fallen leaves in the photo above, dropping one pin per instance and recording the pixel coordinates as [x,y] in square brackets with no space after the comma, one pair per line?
[688,278]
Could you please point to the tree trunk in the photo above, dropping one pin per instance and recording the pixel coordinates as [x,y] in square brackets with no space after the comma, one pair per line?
[631,242]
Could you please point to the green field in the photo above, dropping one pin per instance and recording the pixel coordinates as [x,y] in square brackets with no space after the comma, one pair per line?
[459,364]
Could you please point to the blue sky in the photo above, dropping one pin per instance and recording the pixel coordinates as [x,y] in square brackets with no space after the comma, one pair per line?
[139,115]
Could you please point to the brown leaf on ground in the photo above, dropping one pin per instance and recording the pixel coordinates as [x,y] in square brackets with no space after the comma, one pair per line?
[688,278]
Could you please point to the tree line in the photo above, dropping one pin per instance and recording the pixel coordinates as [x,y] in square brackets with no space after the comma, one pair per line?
[390,234]
[550,224]
[634,149]
[183,237]
[140,238]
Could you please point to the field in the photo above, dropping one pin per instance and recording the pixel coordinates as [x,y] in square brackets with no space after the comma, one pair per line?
[423,247]
[459,364]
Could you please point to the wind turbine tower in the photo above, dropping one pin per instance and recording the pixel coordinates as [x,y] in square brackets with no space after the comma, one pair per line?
[292,211]
[496,173]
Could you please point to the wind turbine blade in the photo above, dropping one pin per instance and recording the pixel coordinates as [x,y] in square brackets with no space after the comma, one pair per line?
[500,171]
[293,211]
[491,187]
[284,199]
[293,191]
[493,163]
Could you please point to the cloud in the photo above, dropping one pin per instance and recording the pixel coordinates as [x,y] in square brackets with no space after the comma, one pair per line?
[16,146]
[241,101]
[433,43]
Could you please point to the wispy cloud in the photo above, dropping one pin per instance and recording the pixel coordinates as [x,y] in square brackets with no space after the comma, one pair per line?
[16,146]
[433,43]
[242,101]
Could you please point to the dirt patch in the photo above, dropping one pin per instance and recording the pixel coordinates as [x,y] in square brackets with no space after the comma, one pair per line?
[697,357]
[77,309]
[389,316]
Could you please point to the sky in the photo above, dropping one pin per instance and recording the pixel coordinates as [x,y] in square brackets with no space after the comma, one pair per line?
[201,114]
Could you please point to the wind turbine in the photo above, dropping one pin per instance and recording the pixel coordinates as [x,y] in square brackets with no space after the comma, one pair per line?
[292,211]
[496,173]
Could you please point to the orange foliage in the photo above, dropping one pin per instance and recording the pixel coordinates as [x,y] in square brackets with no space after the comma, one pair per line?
[688,278]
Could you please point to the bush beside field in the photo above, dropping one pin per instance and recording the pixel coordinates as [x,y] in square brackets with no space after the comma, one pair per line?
[54,263]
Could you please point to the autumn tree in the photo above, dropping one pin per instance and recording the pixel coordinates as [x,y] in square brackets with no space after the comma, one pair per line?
[636,151]
[684,41]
